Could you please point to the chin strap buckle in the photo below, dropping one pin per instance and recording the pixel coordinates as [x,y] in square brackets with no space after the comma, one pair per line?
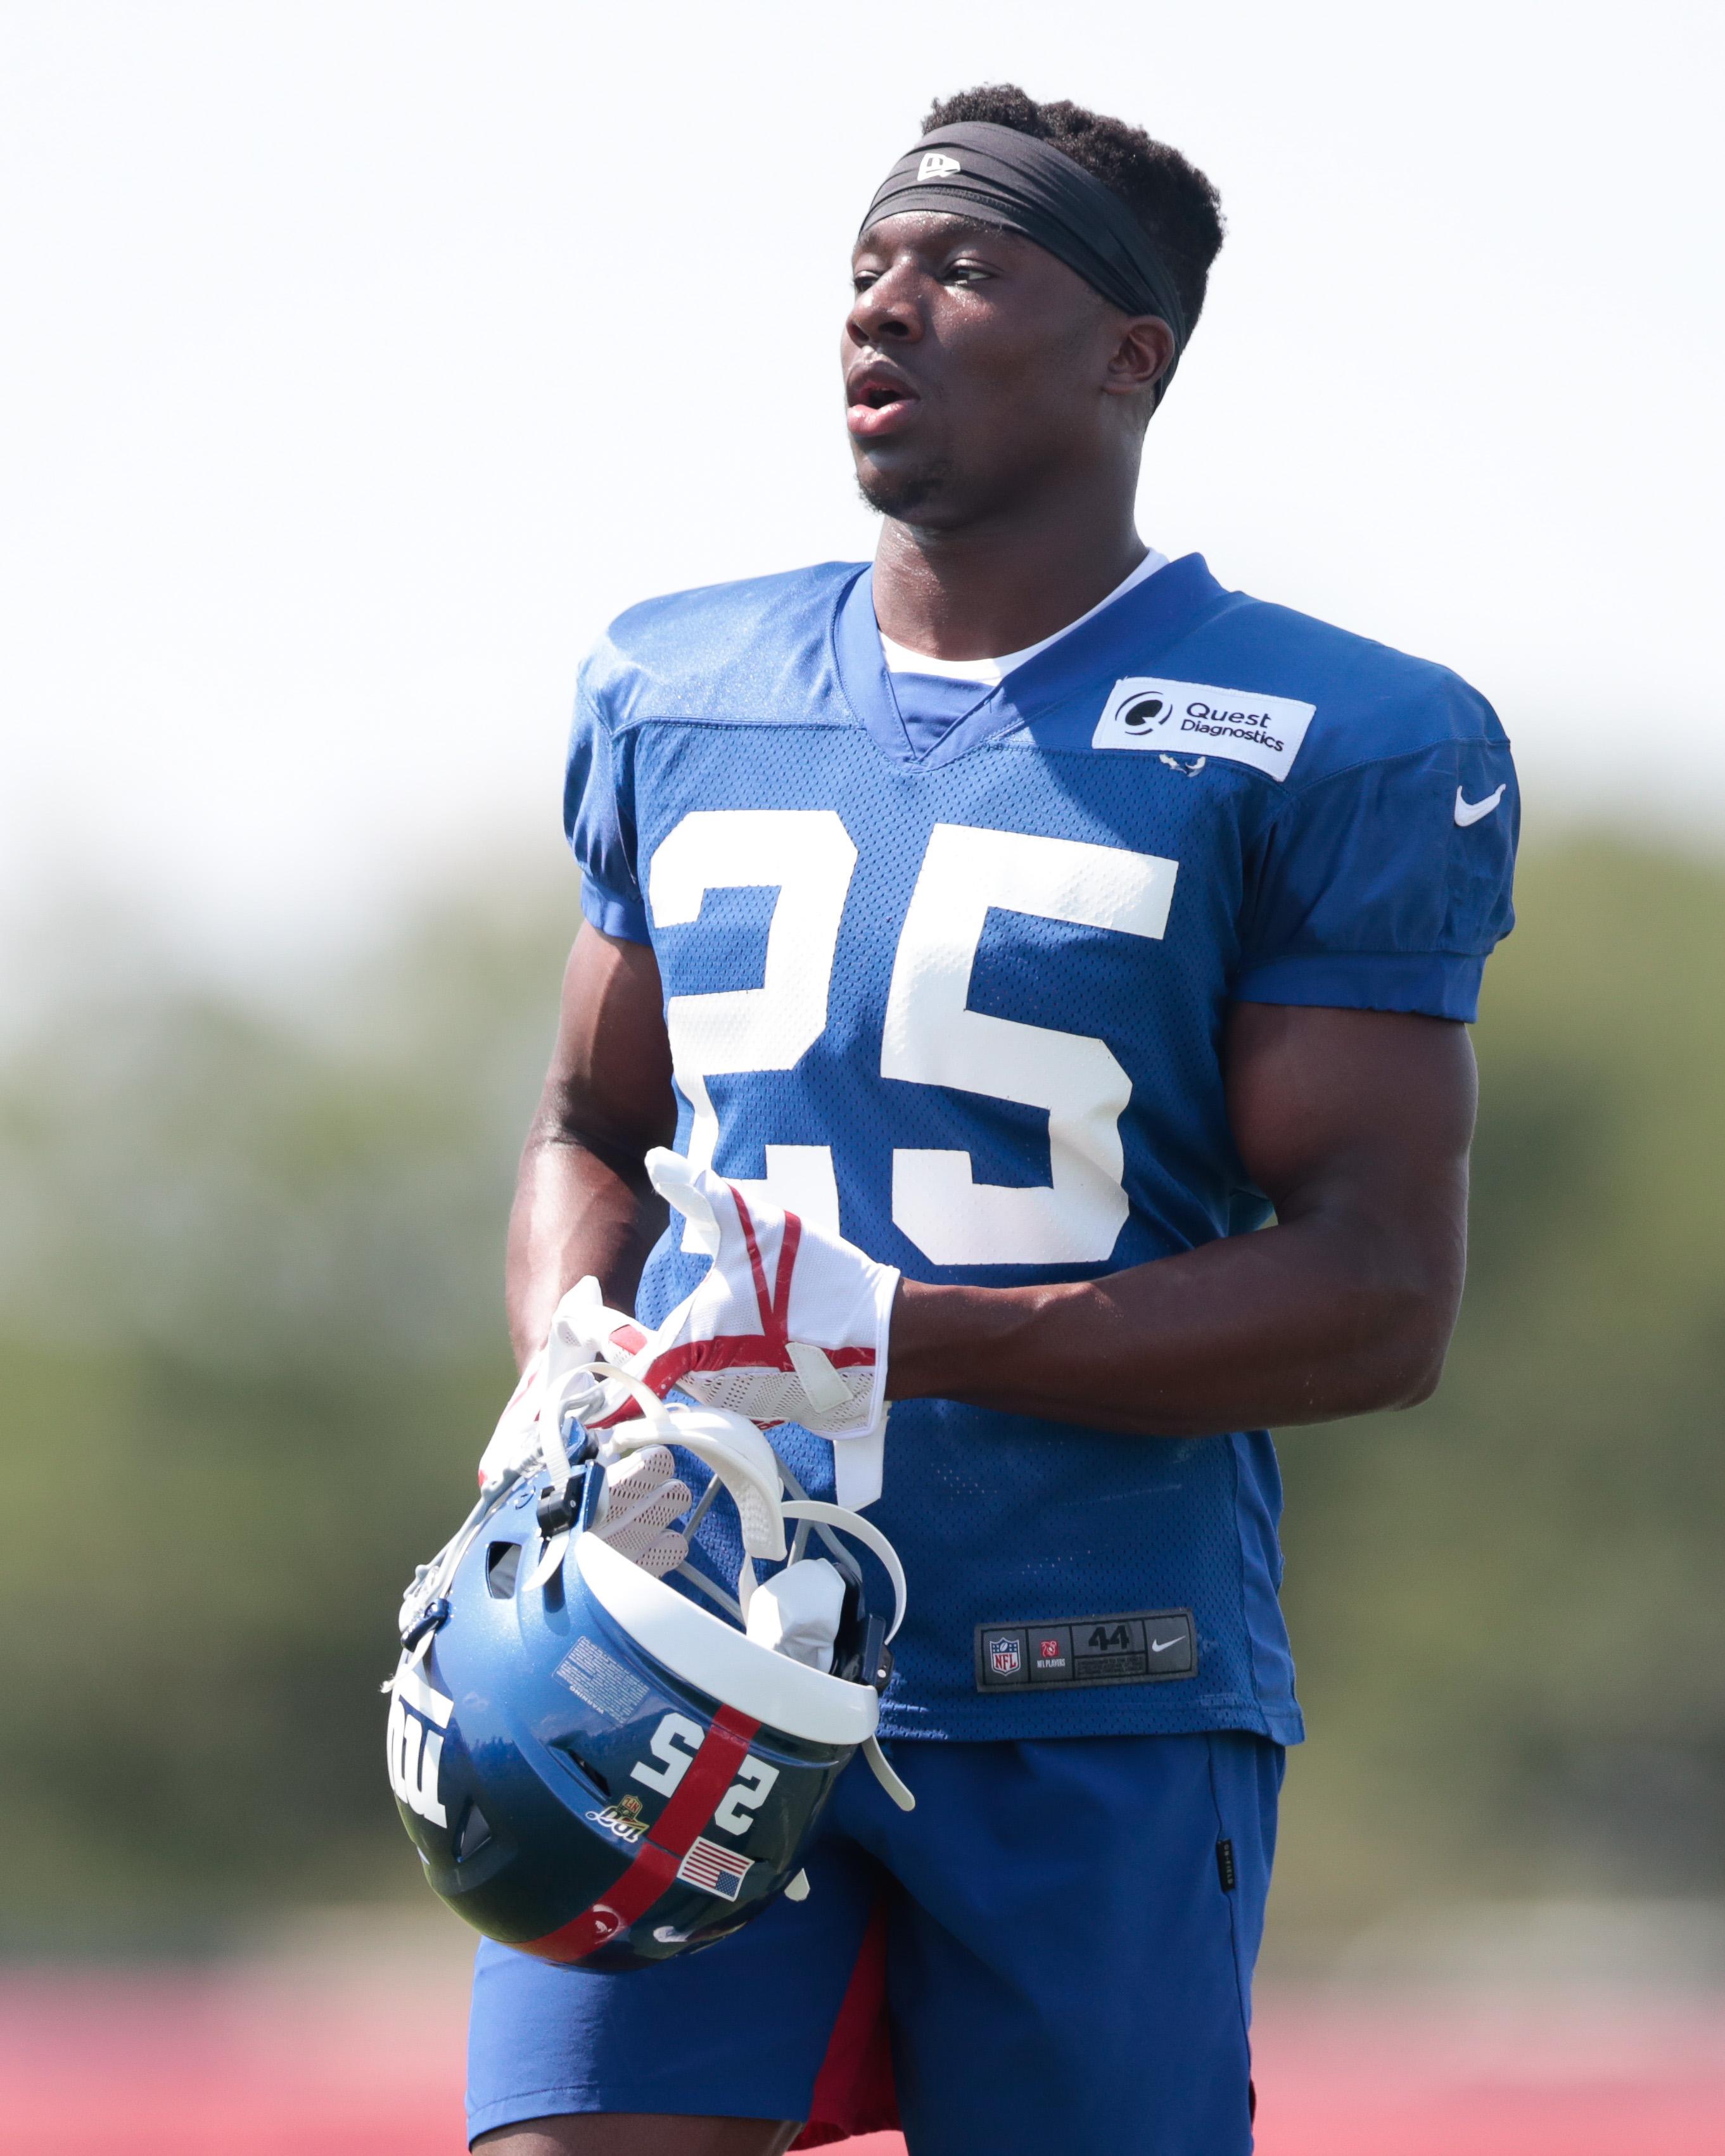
[558,1510]
[433,1614]
[874,1664]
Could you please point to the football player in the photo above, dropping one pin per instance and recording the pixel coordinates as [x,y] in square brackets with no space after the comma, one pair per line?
[1093,945]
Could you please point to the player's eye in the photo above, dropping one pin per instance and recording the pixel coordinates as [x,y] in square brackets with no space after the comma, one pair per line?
[966,273]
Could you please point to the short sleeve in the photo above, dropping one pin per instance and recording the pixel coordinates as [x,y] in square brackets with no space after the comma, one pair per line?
[1386,886]
[598,818]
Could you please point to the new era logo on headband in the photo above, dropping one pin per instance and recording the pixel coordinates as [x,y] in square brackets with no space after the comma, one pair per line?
[1023,184]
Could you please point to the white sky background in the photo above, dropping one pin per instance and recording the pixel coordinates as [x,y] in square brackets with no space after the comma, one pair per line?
[361,361]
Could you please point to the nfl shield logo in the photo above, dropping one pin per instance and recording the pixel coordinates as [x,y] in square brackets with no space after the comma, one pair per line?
[1003,1657]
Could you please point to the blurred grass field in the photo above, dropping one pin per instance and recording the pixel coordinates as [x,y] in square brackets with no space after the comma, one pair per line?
[251,1340]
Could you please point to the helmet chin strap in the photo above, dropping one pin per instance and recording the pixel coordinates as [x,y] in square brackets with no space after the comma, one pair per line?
[817,1510]
[881,1768]
[860,1465]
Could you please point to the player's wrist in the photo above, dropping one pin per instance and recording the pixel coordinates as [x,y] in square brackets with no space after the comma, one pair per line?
[954,1342]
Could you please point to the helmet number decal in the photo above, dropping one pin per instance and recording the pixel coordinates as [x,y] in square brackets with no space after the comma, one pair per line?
[674,1744]
[745,1796]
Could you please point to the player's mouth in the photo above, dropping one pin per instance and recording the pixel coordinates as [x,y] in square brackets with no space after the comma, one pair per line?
[879,401]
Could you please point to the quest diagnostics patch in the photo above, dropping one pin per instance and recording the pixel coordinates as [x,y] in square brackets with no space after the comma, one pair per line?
[1195,720]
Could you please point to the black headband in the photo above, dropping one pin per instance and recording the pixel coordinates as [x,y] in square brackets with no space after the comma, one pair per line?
[1025,185]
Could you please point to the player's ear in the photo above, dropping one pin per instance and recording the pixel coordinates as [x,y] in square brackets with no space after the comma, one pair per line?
[1142,353]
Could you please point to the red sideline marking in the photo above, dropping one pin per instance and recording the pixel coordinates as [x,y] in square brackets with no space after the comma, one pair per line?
[691,1808]
[342,2056]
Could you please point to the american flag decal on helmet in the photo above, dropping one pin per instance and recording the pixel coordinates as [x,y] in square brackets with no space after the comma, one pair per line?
[714,1869]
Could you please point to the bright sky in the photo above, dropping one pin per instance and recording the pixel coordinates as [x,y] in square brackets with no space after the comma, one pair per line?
[362,359]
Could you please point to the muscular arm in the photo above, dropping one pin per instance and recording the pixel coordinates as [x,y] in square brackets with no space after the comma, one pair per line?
[582,1202]
[1357,1125]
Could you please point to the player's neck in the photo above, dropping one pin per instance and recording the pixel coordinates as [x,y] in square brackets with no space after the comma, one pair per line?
[1006,580]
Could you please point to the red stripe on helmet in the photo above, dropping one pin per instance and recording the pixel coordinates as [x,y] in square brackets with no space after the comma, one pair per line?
[697,1797]
[654,1868]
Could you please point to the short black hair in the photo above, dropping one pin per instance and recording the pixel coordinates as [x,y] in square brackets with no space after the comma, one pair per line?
[1169,196]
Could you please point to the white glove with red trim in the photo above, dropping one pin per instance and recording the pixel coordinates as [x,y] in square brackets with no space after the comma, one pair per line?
[515,1439]
[583,1330]
[790,1325]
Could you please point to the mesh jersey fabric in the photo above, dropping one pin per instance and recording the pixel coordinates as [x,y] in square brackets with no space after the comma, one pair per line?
[957,989]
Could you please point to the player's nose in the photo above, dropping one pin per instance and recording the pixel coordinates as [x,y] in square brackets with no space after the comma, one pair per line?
[888,310]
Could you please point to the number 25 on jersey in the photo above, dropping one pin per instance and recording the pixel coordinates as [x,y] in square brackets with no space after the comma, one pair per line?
[930,1036]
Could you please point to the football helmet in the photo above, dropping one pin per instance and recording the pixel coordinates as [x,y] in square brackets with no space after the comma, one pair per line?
[594,1767]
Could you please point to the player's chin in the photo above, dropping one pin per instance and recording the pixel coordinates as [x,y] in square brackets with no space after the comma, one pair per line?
[904,487]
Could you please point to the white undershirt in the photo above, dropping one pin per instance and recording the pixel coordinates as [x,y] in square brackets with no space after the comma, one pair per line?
[901,659]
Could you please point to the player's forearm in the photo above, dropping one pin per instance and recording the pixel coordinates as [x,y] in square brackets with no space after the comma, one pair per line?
[582,1202]
[577,1210]
[1302,1323]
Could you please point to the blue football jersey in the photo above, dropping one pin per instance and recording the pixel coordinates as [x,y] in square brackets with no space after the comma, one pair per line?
[945,966]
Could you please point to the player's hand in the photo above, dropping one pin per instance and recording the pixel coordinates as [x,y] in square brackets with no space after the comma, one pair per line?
[790,1325]
[583,1330]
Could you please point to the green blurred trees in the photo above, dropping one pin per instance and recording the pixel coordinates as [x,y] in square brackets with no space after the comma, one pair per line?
[1509,1605]
[251,1338]
[250,1330]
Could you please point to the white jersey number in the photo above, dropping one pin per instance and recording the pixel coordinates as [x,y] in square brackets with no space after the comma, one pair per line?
[808,854]
[930,1037]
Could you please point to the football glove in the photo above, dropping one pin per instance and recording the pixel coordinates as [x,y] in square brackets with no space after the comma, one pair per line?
[582,1331]
[789,1325]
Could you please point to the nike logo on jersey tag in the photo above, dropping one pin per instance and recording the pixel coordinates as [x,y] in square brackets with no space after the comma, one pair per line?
[1236,724]
[1469,812]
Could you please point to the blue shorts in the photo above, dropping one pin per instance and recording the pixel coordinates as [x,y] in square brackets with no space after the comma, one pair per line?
[1053,1950]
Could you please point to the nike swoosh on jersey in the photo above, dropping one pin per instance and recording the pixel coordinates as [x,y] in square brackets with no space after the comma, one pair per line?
[1161,1646]
[1469,812]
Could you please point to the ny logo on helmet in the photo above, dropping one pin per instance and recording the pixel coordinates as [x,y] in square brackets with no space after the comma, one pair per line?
[415,1747]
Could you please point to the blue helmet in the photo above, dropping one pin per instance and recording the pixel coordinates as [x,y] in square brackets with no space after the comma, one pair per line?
[594,1767]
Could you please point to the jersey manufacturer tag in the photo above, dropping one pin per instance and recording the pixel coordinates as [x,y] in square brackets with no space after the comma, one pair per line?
[1190,716]
[1140,1646]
